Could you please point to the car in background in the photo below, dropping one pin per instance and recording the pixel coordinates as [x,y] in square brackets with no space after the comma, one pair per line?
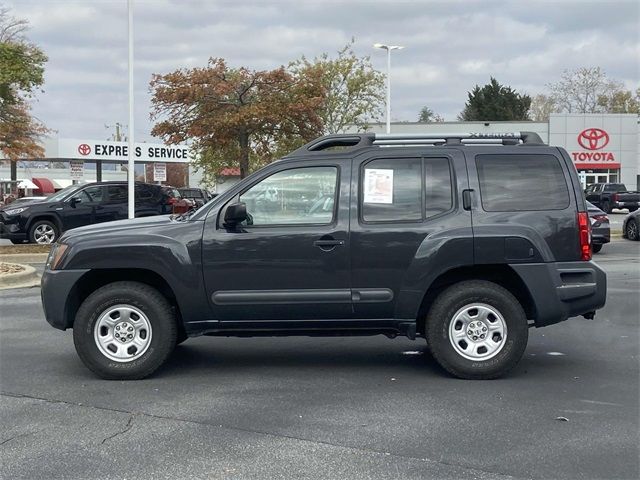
[631,226]
[43,221]
[600,228]
[197,195]
[608,196]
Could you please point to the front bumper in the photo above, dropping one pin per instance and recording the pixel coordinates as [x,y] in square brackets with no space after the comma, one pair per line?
[564,289]
[59,296]
[12,231]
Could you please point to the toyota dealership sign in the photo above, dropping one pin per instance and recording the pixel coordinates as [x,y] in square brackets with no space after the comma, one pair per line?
[593,141]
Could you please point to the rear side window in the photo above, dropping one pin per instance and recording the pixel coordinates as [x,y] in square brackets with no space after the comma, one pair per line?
[614,187]
[392,189]
[521,183]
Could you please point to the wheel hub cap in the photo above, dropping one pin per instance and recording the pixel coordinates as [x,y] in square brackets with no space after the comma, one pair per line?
[478,331]
[122,333]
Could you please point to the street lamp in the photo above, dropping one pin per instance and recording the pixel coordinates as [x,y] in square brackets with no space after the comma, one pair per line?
[131,173]
[388,48]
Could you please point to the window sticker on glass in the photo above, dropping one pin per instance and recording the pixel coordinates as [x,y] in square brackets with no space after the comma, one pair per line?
[378,185]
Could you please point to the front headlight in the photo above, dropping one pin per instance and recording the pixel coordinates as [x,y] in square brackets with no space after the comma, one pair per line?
[55,255]
[15,211]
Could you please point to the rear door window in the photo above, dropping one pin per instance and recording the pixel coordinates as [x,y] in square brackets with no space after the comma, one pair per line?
[117,193]
[405,189]
[392,190]
[521,183]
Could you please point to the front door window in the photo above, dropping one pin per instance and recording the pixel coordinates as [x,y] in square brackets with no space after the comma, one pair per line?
[300,196]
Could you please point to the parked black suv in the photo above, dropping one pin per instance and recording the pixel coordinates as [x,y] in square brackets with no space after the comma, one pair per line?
[442,237]
[78,205]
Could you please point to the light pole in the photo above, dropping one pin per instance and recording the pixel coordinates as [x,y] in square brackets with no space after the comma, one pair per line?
[131,174]
[388,48]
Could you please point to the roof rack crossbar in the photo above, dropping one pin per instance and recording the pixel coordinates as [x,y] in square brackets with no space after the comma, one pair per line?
[498,137]
[360,140]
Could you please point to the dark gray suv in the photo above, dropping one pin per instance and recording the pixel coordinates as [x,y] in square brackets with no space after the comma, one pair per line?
[465,240]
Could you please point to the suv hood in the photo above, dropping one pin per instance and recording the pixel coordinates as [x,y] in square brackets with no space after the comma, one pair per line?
[119,225]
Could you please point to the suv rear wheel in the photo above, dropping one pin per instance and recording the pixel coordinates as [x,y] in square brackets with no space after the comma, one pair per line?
[124,331]
[477,330]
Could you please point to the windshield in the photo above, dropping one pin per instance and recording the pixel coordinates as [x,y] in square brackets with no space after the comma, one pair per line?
[61,194]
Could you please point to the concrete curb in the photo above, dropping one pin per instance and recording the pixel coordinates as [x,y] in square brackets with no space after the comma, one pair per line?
[22,258]
[26,278]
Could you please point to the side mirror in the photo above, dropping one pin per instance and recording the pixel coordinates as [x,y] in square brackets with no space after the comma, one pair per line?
[75,201]
[236,213]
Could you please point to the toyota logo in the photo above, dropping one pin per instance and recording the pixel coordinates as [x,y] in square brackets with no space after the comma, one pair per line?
[593,138]
[84,149]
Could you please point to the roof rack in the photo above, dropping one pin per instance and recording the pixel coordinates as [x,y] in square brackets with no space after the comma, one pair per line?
[360,140]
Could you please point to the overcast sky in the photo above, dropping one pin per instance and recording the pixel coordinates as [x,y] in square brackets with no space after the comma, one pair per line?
[450,47]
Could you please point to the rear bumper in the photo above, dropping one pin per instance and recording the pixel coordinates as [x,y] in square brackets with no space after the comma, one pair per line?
[564,289]
[600,235]
[58,296]
[625,204]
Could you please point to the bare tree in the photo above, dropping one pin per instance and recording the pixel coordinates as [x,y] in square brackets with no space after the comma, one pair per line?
[12,29]
[541,107]
[578,90]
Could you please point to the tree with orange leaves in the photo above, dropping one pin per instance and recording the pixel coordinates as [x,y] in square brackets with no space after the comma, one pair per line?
[21,73]
[235,116]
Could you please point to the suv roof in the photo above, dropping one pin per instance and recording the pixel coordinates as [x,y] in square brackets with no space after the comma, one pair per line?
[356,141]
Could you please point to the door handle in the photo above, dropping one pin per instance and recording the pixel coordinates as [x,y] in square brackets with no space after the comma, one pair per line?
[466,199]
[328,244]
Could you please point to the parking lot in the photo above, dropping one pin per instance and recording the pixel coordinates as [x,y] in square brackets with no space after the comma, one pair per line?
[361,407]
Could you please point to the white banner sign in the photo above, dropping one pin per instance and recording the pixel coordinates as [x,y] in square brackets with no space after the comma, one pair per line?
[119,151]
[159,172]
[76,169]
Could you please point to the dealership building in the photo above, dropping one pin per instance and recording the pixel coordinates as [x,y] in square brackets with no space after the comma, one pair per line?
[605,148]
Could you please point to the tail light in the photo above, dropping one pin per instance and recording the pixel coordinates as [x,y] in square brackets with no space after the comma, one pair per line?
[172,201]
[584,231]
[614,197]
[601,218]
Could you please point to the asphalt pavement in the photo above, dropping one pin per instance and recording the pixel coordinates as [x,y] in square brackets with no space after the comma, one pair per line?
[348,408]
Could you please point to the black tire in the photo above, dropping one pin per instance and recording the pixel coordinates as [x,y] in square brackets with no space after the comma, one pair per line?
[146,299]
[596,248]
[17,242]
[37,226]
[632,209]
[460,296]
[606,206]
[632,230]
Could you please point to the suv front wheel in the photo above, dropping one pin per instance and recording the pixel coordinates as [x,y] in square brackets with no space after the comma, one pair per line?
[124,331]
[477,330]
[43,232]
